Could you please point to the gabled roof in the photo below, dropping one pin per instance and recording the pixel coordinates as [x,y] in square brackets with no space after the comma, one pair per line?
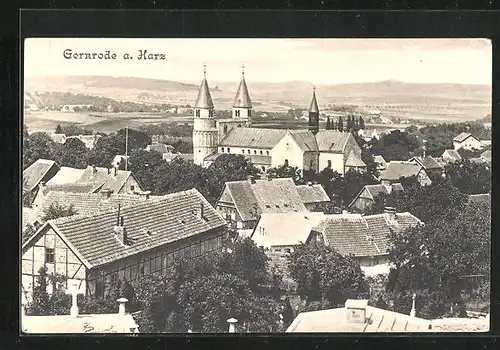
[453,154]
[356,235]
[380,160]
[105,178]
[265,196]
[354,161]
[167,220]
[462,137]
[332,141]
[35,173]
[285,229]
[335,321]
[312,194]
[204,100]
[253,137]
[428,163]
[375,190]
[313,107]
[398,169]
[89,203]
[305,139]
[160,147]
[242,98]
[66,175]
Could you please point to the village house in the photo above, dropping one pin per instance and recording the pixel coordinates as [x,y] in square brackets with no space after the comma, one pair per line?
[486,156]
[369,134]
[380,162]
[365,199]
[432,168]
[75,322]
[92,180]
[313,195]
[364,238]
[160,147]
[146,238]
[36,174]
[357,316]
[169,157]
[58,138]
[466,141]
[396,170]
[242,202]
[65,175]
[282,232]
[451,156]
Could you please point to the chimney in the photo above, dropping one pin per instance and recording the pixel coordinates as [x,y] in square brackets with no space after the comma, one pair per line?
[121,306]
[201,213]
[251,179]
[390,213]
[74,301]
[106,193]
[232,325]
[413,311]
[356,310]
[120,231]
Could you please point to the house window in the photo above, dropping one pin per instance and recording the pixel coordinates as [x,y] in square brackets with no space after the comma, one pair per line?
[225,129]
[237,113]
[311,163]
[329,163]
[132,187]
[249,113]
[49,255]
[263,168]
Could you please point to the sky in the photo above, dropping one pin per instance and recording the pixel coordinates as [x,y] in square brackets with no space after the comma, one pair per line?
[317,61]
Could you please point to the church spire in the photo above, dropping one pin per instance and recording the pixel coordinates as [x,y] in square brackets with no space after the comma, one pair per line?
[242,98]
[204,100]
[314,114]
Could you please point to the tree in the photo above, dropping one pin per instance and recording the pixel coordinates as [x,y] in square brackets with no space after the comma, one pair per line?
[36,146]
[348,125]
[232,167]
[396,145]
[361,123]
[105,149]
[322,274]
[59,129]
[73,153]
[340,124]
[40,304]
[285,171]
[143,165]
[56,210]
[136,139]
[432,260]
[470,177]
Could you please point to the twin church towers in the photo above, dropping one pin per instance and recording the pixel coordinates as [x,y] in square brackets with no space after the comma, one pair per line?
[208,132]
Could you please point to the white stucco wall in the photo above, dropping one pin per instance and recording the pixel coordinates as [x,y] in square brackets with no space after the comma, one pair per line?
[287,149]
[337,160]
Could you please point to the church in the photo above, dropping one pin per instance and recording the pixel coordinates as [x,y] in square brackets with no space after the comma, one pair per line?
[308,149]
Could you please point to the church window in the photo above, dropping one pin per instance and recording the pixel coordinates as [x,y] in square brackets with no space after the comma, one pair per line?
[249,152]
[267,152]
[228,150]
[311,163]
[286,162]
[260,152]
[237,113]
[225,129]
[222,149]
[249,113]
[263,168]
[197,112]
[254,151]
[243,151]
[329,163]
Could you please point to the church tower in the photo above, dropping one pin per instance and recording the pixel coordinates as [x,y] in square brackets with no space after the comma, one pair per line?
[242,105]
[314,114]
[204,130]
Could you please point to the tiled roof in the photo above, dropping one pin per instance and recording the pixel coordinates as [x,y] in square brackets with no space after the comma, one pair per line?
[105,178]
[335,321]
[312,193]
[204,100]
[168,220]
[354,161]
[84,187]
[253,137]
[351,234]
[274,196]
[305,139]
[285,229]
[242,98]
[332,141]
[89,203]
[160,147]
[428,162]
[94,323]
[453,154]
[462,137]
[375,190]
[33,174]
[380,160]
[396,170]
[66,175]
[313,108]
[461,325]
